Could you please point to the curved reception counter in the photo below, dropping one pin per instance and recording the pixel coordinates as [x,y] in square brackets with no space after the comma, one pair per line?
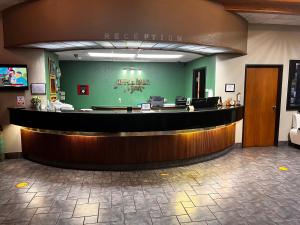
[117,139]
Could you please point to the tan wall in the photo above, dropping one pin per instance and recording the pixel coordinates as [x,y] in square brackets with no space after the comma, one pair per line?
[36,72]
[267,44]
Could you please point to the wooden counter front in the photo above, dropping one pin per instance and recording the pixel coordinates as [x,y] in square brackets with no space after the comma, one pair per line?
[119,151]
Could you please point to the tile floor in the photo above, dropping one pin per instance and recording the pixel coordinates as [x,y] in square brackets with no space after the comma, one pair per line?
[242,187]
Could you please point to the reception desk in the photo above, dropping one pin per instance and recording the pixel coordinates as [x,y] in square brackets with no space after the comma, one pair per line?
[117,139]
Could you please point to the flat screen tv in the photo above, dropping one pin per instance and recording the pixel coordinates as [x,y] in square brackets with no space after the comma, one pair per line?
[13,77]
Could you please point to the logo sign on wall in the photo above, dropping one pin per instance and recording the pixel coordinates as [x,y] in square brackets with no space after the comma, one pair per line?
[83,89]
[131,85]
[142,36]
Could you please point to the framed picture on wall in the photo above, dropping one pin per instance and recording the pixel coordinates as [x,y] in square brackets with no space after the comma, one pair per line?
[52,84]
[293,92]
[38,88]
[52,66]
[229,87]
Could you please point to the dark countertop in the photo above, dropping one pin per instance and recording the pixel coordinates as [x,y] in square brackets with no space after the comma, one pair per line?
[123,121]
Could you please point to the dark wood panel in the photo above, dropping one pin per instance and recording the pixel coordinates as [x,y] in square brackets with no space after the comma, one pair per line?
[108,150]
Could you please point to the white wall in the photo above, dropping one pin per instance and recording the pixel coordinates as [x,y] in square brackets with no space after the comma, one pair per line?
[267,44]
[36,72]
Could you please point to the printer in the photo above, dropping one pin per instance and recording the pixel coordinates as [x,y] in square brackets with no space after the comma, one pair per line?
[180,101]
[156,101]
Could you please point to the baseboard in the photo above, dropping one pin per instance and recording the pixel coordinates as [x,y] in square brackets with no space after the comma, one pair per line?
[280,144]
[293,145]
[13,155]
[238,145]
[283,143]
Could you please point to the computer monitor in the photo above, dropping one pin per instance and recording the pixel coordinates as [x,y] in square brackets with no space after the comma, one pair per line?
[212,101]
[156,101]
[145,106]
[198,103]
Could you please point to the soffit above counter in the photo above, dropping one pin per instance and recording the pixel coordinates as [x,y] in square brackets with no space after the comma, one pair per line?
[189,22]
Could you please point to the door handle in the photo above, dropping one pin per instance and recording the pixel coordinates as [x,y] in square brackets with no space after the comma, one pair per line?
[274,107]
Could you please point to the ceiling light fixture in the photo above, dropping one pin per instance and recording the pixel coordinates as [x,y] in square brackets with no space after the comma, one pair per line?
[132,70]
[153,56]
[110,55]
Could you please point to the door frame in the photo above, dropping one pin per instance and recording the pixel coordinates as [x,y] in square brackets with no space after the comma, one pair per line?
[278,102]
[205,71]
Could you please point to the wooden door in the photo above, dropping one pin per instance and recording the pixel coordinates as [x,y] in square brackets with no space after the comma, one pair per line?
[262,106]
[199,79]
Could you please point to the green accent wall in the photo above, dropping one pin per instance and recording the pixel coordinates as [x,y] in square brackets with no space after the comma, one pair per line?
[209,63]
[166,79]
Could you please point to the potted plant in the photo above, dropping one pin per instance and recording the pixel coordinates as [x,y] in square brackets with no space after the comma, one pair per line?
[36,102]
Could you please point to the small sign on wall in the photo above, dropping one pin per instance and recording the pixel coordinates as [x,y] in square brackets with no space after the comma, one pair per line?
[20,101]
[229,87]
[38,89]
[83,89]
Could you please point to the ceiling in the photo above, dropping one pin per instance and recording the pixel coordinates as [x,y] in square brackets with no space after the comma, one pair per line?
[4,4]
[271,18]
[263,6]
[283,12]
[167,46]
[82,55]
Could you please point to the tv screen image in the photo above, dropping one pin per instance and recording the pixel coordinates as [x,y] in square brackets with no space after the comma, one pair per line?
[14,76]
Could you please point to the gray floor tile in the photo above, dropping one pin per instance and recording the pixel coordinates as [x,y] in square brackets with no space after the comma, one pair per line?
[71,221]
[172,220]
[141,218]
[45,219]
[40,202]
[111,215]
[172,209]
[86,210]
[19,215]
[200,214]
[202,200]
[242,187]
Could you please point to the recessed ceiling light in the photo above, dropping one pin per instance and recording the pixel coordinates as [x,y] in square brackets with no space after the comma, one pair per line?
[110,55]
[105,44]
[147,44]
[119,44]
[74,44]
[173,46]
[155,56]
[161,45]
[212,50]
[133,44]
[88,43]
